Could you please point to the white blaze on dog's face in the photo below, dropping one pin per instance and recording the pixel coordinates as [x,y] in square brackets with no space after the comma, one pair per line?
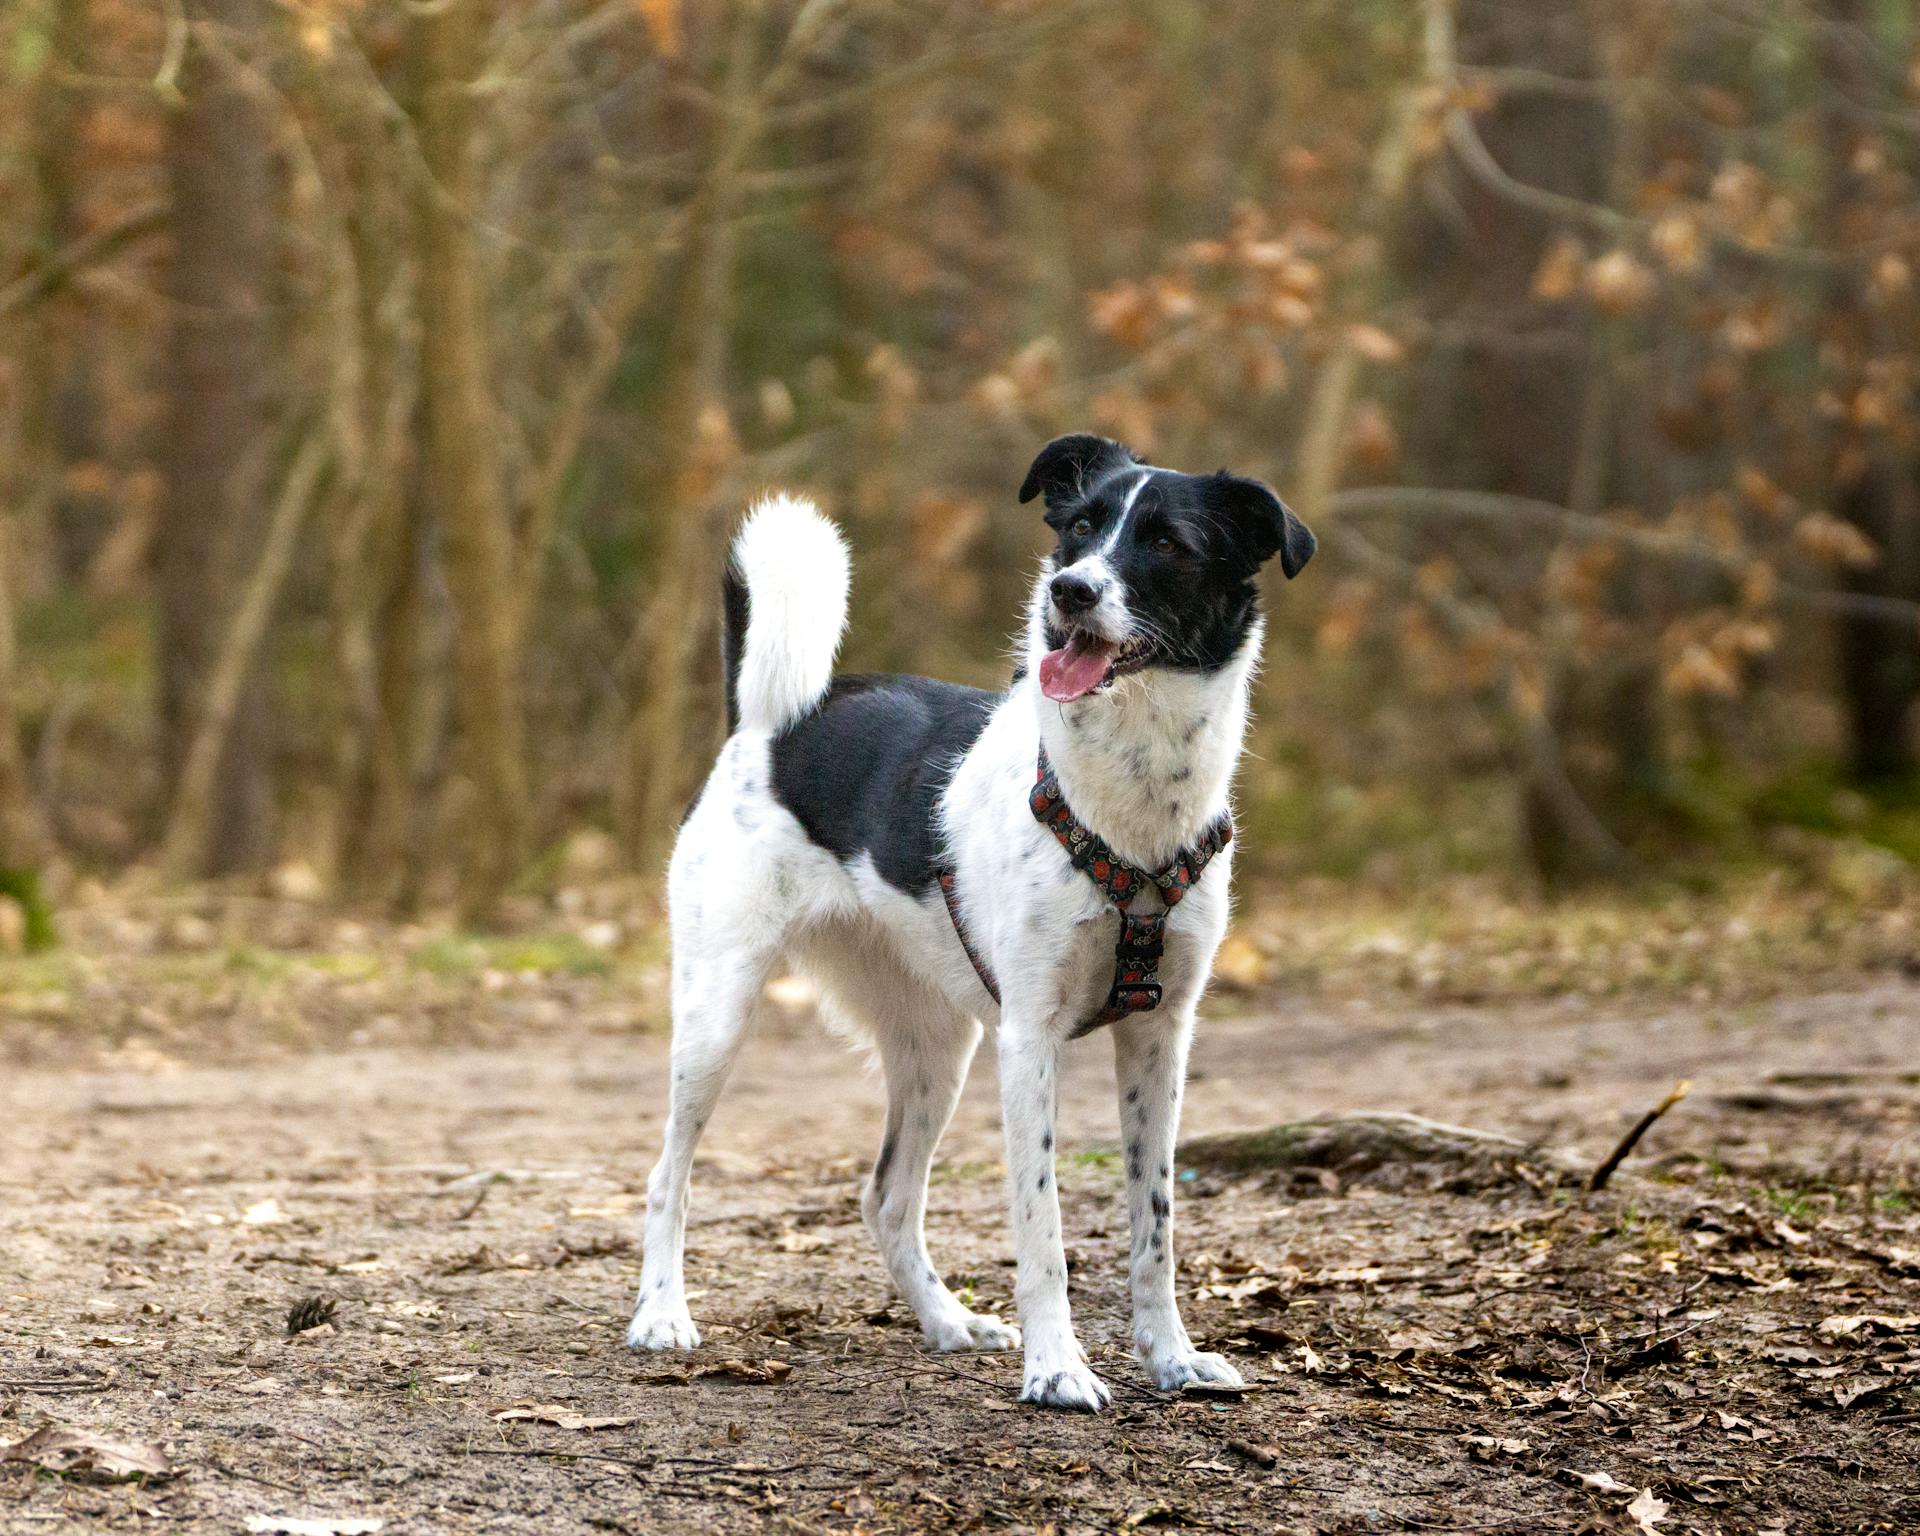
[1153,568]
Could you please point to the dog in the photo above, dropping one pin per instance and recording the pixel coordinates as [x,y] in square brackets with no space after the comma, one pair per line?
[933,856]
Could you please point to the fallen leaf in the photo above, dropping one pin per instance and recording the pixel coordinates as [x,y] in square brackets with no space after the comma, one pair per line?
[454,1378]
[263,1213]
[1646,1511]
[1847,1325]
[82,1453]
[294,1525]
[1260,1455]
[485,1258]
[1487,1447]
[560,1416]
[1739,1428]
[805,1242]
[260,1386]
[745,1370]
[1847,1395]
[1599,1482]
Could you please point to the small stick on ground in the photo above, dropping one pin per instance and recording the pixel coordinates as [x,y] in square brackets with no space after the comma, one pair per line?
[1632,1139]
[478,1201]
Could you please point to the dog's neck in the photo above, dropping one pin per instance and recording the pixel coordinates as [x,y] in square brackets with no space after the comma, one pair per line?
[1148,762]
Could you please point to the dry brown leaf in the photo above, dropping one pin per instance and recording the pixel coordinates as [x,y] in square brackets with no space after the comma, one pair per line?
[297,1525]
[1834,541]
[1559,272]
[1849,1393]
[1618,283]
[1646,1511]
[1677,241]
[662,21]
[1267,1456]
[1374,344]
[1846,1325]
[560,1416]
[768,1371]
[1599,1482]
[82,1453]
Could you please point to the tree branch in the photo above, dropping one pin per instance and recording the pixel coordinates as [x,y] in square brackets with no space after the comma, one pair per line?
[189,824]
[59,269]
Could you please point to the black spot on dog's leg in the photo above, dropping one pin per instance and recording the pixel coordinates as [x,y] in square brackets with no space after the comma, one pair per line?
[1161,1208]
[1046,1142]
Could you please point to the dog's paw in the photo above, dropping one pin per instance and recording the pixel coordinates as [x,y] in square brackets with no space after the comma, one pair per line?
[1172,1372]
[971,1330]
[663,1328]
[1076,1388]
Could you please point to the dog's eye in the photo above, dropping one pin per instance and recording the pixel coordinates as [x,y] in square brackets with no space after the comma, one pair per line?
[1164,545]
[1080,527]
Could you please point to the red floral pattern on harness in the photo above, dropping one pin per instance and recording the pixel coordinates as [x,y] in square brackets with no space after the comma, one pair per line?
[1141,942]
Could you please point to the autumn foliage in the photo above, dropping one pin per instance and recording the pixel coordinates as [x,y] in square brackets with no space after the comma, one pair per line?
[1583,334]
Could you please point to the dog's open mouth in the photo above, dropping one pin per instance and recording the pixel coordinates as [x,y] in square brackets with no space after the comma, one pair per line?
[1087,663]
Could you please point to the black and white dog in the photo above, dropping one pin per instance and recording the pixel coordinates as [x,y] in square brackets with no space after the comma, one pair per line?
[933,856]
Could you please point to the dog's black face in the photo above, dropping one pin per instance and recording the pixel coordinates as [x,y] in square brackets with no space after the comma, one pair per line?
[1153,567]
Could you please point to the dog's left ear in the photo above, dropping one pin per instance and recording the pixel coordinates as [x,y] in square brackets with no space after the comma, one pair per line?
[1068,465]
[1264,523]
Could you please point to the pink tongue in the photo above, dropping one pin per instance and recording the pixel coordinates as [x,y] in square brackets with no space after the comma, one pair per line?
[1076,669]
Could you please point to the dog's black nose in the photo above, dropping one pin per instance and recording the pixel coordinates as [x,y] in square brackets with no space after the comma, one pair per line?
[1073,594]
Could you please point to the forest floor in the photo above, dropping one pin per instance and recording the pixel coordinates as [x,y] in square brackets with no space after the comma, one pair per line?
[1725,1340]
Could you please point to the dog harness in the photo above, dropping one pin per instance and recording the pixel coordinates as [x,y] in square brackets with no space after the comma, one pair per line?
[1142,939]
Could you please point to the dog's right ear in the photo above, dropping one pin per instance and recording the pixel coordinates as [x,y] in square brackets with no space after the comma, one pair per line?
[1068,465]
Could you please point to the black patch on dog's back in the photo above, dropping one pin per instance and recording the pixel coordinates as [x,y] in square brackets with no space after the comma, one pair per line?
[864,771]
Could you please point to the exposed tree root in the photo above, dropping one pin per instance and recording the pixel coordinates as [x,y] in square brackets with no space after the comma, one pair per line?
[1367,1142]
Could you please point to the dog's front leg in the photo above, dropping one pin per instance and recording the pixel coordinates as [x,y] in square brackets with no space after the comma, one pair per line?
[1057,1374]
[1150,1060]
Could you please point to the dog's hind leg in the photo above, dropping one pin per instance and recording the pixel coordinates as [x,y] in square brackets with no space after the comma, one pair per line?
[714,999]
[926,1063]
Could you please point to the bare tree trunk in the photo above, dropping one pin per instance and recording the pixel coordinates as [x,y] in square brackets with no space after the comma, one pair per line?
[190,826]
[24,843]
[62,406]
[463,464]
[1530,422]
[1874,479]
[691,424]
[374,544]
[220,172]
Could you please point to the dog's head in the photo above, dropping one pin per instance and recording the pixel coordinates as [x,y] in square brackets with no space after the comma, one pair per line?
[1154,568]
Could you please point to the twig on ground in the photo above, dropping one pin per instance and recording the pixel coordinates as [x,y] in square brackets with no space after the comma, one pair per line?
[1631,1140]
[252,1477]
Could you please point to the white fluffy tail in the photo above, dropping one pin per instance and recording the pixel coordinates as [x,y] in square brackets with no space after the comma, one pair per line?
[786,606]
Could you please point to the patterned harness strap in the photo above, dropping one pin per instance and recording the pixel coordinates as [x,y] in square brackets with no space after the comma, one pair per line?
[1142,938]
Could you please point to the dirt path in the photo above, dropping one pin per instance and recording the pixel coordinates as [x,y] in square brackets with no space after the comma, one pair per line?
[1693,1331]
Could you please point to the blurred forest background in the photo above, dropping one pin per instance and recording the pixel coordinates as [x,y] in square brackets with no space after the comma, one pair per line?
[379,381]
